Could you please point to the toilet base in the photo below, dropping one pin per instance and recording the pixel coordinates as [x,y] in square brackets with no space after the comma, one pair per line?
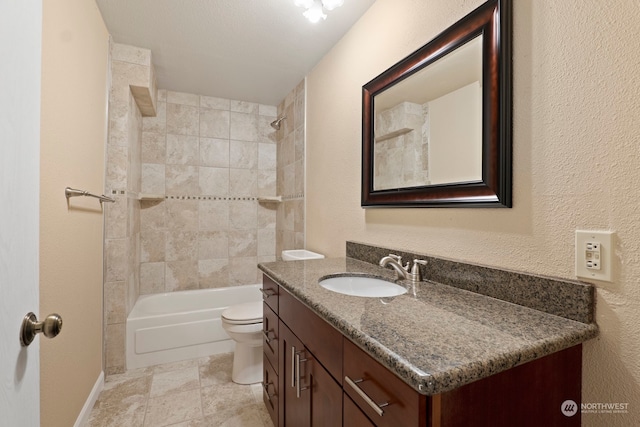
[247,364]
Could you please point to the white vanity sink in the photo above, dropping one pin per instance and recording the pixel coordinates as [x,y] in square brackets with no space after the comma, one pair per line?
[361,286]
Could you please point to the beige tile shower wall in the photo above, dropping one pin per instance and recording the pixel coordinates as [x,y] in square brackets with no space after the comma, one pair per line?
[290,172]
[210,159]
[400,149]
[130,68]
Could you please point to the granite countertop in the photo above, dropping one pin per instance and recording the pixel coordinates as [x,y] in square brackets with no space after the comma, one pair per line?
[435,337]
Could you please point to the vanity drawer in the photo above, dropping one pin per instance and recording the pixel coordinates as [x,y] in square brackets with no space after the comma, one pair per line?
[270,291]
[370,384]
[270,335]
[270,390]
[322,339]
[353,416]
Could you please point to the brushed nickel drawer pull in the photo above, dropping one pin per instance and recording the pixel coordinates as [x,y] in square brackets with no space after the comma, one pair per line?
[266,390]
[266,335]
[293,366]
[375,406]
[267,293]
[298,361]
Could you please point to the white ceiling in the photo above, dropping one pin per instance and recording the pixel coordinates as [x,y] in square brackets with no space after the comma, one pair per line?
[248,50]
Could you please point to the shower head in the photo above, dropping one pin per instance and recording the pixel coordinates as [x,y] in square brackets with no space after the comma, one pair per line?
[276,123]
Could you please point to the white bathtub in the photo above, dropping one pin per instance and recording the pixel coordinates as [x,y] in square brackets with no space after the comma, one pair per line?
[174,326]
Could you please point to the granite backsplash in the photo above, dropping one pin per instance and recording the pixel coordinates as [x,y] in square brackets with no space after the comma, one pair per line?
[569,299]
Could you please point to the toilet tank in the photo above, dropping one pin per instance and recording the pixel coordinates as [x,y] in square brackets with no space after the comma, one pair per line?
[300,254]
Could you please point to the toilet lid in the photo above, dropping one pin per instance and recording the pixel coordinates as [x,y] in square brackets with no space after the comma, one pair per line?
[242,314]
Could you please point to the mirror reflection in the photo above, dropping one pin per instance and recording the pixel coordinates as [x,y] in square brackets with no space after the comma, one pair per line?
[428,128]
[436,126]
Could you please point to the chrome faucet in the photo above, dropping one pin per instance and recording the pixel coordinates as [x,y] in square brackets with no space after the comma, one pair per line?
[403,271]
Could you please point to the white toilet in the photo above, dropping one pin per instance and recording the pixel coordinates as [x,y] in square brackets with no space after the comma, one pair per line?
[243,323]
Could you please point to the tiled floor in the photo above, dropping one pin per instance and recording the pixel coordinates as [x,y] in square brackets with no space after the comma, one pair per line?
[193,393]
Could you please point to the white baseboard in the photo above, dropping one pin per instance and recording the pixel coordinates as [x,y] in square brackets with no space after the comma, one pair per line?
[83,418]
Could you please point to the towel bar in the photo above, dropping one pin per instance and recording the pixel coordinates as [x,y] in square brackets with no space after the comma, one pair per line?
[72,192]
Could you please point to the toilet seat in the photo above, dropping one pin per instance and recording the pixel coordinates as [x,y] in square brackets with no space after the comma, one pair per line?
[243,314]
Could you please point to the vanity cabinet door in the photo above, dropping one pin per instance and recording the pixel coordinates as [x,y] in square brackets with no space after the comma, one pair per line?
[270,334]
[270,390]
[324,341]
[295,406]
[353,416]
[326,395]
[309,395]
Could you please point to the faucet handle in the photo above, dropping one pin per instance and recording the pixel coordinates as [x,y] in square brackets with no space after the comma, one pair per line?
[396,257]
[399,259]
[415,270]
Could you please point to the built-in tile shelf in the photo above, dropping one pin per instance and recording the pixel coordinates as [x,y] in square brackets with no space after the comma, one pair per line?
[393,134]
[150,197]
[270,199]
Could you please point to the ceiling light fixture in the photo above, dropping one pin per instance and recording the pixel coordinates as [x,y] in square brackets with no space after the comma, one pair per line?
[332,4]
[315,8]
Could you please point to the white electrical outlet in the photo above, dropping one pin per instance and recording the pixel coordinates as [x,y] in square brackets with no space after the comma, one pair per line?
[594,255]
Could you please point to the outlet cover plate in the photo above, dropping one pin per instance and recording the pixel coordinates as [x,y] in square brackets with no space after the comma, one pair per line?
[583,255]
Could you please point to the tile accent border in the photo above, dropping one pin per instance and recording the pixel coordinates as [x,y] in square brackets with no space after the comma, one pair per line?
[569,299]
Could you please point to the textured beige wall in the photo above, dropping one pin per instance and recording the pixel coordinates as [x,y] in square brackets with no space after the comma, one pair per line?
[576,139]
[74,90]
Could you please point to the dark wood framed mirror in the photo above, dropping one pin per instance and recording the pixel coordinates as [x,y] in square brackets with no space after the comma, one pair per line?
[436,126]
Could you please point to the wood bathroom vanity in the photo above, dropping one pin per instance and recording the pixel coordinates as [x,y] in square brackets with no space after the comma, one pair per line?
[330,360]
